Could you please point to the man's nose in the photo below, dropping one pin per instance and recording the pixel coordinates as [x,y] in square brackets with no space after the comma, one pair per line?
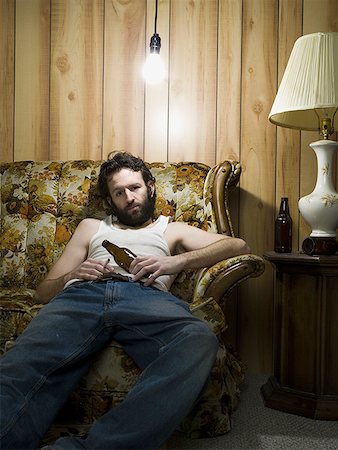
[129,196]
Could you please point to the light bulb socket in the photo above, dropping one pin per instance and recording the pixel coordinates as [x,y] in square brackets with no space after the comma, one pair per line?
[155,43]
[326,129]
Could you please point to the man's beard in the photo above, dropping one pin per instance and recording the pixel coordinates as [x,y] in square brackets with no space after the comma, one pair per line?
[143,214]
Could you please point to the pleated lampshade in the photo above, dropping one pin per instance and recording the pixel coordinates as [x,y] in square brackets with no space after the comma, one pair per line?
[309,88]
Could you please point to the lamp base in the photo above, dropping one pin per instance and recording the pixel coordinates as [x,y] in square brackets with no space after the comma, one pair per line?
[320,208]
[320,246]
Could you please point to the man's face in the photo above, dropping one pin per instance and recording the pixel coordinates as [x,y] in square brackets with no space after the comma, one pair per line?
[133,201]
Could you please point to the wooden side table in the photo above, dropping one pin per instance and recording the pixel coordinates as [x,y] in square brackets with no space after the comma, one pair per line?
[305,380]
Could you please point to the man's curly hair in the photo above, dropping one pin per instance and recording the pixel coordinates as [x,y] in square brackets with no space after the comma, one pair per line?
[117,161]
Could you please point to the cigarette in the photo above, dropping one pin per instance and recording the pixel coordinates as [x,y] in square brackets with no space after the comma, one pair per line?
[107,262]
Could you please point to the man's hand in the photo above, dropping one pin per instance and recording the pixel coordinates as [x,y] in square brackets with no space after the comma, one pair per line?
[90,269]
[152,267]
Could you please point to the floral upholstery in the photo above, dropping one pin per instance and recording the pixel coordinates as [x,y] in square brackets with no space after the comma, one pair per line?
[41,205]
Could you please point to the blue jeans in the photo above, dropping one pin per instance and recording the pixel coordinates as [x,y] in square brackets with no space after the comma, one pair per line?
[175,351]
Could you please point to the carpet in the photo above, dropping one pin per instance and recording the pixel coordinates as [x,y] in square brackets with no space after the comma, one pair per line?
[257,427]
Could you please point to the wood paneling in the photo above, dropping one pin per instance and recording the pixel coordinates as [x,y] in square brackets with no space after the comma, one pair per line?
[193,76]
[229,77]
[32,52]
[320,15]
[71,87]
[76,79]
[6,79]
[123,123]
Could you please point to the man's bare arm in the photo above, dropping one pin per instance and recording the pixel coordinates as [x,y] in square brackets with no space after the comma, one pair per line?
[201,249]
[73,263]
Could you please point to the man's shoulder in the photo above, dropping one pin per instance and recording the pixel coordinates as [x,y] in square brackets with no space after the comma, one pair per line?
[178,225]
[88,225]
[178,228]
[88,221]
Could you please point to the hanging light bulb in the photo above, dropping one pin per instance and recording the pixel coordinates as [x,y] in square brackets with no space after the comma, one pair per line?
[153,68]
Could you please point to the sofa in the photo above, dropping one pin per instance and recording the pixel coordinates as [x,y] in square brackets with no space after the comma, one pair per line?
[41,205]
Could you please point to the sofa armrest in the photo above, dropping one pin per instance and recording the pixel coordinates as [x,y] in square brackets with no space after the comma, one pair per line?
[221,180]
[215,282]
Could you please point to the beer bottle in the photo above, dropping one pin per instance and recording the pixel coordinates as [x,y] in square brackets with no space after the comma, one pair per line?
[283,228]
[123,256]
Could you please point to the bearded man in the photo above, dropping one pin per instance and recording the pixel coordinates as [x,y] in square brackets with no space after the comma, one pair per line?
[91,300]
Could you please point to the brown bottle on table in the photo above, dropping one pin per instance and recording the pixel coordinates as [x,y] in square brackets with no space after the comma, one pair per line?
[283,228]
[123,256]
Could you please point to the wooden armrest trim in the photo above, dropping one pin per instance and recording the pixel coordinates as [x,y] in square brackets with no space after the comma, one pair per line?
[219,280]
[226,177]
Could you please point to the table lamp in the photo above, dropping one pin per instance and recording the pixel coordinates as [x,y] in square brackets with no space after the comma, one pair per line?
[307,99]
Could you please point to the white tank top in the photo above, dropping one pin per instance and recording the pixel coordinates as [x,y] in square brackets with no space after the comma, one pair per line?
[142,242]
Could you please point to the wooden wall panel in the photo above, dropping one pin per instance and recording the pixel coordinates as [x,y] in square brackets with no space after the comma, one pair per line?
[192,90]
[225,60]
[32,48]
[6,80]
[156,96]
[257,182]
[288,141]
[76,79]
[123,124]
[320,15]
[229,80]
